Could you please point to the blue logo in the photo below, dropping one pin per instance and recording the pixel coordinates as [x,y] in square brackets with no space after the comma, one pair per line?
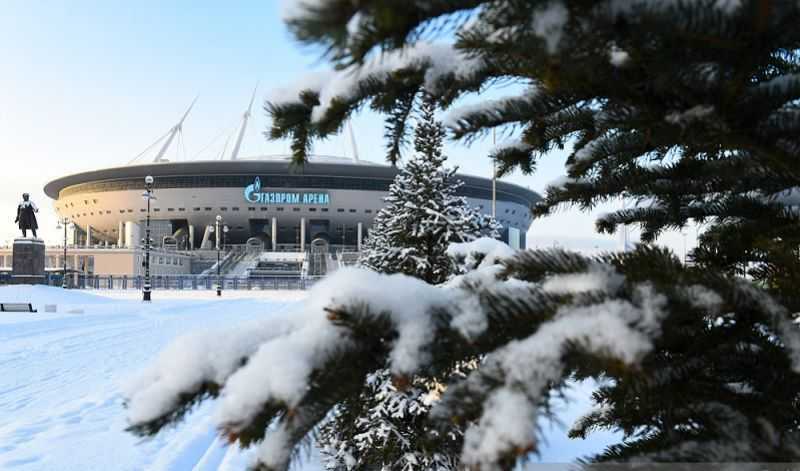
[253,194]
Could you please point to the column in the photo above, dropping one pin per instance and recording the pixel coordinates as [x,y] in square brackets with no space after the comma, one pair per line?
[120,234]
[205,244]
[359,232]
[191,237]
[274,234]
[88,236]
[302,234]
[132,235]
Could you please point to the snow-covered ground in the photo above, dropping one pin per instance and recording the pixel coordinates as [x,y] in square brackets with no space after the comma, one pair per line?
[60,377]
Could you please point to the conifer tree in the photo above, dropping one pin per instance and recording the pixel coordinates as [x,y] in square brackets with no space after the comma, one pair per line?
[689,108]
[385,427]
[422,214]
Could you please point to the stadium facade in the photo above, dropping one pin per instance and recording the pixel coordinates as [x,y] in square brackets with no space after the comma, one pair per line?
[267,200]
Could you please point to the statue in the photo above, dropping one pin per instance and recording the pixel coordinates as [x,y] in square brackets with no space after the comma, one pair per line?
[26,216]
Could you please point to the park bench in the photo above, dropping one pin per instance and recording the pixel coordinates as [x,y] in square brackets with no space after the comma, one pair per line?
[16,307]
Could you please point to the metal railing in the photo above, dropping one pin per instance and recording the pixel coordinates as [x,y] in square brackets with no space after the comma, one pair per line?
[175,282]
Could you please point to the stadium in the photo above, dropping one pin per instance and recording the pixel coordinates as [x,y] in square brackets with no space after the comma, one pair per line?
[267,199]
[265,204]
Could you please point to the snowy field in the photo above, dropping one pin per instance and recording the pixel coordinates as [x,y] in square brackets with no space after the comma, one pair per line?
[60,376]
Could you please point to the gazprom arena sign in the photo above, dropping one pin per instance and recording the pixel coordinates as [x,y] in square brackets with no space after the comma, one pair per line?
[253,193]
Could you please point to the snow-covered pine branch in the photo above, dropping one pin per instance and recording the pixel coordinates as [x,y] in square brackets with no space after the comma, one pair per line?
[571,312]
[436,61]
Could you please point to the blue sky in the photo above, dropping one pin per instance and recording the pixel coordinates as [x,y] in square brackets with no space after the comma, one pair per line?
[87,84]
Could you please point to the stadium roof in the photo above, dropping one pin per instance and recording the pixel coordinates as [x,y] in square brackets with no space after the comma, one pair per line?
[329,166]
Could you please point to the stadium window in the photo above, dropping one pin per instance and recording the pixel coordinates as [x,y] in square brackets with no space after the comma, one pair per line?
[264,208]
[86,202]
[195,209]
[208,209]
[91,214]
[235,208]
[352,210]
[324,210]
[368,211]
[160,260]
[181,209]
[313,210]
[251,209]
[278,209]
[108,212]
[170,209]
[506,210]
[157,209]
[223,208]
[296,210]
[339,210]
[514,212]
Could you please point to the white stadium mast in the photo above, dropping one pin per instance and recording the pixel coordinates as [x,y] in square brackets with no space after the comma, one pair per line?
[353,140]
[243,128]
[171,135]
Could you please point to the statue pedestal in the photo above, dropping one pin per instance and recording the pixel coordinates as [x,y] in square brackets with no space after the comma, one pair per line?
[28,262]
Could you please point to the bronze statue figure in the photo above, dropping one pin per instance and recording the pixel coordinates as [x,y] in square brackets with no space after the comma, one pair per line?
[26,216]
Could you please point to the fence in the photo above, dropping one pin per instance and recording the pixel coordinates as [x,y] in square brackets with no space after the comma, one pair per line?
[177,282]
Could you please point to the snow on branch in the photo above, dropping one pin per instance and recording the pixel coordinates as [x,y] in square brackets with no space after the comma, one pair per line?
[435,60]
[615,328]
[481,252]
[311,82]
[194,360]
[571,304]
[294,9]
[495,111]
[279,370]
[548,23]
[686,117]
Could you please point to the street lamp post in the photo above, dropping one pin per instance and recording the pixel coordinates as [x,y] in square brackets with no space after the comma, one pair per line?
[217,234]
[147,195]
[220,233]
[64,222]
